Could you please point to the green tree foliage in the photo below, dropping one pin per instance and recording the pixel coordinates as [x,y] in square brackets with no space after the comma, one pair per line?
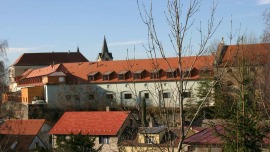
[238,105]
[76,143]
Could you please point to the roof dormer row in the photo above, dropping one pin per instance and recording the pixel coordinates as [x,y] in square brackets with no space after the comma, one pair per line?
[141,74]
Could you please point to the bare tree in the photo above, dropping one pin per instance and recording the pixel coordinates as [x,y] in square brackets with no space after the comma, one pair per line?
[265,38]
[181,18]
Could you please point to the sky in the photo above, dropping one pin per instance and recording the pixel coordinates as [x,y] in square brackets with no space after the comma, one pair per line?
[32,26]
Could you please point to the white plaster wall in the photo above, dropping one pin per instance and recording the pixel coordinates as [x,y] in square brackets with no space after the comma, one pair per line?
[54,93]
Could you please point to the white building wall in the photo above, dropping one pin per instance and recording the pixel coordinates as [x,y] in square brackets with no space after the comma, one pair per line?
[128,94]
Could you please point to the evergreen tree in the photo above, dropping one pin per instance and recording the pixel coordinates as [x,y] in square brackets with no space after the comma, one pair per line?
[76,143]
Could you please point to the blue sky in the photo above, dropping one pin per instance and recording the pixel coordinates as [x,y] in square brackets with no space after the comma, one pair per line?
[61,25]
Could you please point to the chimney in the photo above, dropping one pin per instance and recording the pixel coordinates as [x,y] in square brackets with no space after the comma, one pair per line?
[108,108]
[220,52]
[150,124]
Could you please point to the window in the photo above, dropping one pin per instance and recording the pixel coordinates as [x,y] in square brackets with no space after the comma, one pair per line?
[154,75]
[138,74]
[171,73]
[166,95]
[187,94]
[191,148]
[91,96]
[146,95]
[61,79]
[109,96]
[121,77]
[91,78]
[128,96]
[36,144]
[150,140]
[104,139]
[106,77]
[76,97]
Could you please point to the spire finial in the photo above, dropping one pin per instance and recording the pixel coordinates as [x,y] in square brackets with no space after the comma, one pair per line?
[78,49]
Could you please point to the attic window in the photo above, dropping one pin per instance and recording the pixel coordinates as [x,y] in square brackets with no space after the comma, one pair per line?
[205,72]
[171,73]
[155,74]
[92,76]
[187,72]
[106,75]
[122,75]
[138,74]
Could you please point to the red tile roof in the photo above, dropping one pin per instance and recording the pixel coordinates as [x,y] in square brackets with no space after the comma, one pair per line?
[92,123]
[255,54]
[22,127]
[43,71]
[48,58]
[83,69]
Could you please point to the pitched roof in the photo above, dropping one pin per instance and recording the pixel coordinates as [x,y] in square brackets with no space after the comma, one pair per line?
[21,143]
[84,69]
[136,65]
[92,123]
[22,127]
[48,58]
[254,54]
[43,71]
[206,136]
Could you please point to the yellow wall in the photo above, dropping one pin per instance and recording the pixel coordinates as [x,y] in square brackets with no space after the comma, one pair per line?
[28,94]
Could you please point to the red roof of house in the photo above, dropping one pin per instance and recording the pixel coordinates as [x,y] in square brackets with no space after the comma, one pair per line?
[48,58]
[22,127]
[255,54]
[92,123]
[43,71]
[206,136]
[82,70]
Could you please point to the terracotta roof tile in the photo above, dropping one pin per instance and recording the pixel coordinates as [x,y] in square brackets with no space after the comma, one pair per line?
[48,58]
[255,54]
[22,127]
[43,71]
[84,69]
[92,123]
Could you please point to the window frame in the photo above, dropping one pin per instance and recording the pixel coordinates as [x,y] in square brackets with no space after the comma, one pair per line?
[127,96]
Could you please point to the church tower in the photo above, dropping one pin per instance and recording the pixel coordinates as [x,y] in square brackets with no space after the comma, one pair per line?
[105,55]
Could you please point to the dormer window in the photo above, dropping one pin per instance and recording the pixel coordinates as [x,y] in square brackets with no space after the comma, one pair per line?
[171,73]
[92,76]
[155,74]
[205,71]
[138,74]
[187,72]
[122,75]
[106,75]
